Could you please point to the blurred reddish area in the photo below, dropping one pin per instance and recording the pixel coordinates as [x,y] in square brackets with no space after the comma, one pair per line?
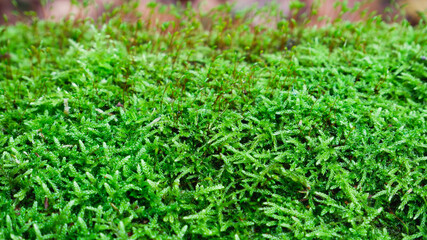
[327,10]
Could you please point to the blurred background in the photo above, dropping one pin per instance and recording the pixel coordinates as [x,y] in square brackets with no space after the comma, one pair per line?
[12,11]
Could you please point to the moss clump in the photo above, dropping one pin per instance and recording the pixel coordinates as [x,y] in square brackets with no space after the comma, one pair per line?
[121,130]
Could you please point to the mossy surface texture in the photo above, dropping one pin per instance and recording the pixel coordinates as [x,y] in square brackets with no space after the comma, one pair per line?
[231,131]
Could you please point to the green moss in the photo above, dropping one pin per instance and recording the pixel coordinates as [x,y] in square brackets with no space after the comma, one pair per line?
[233,131]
